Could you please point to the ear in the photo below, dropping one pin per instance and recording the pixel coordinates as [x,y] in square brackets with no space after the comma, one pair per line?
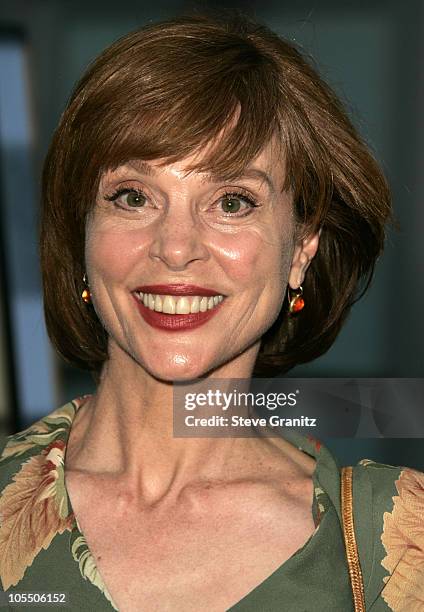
[304,252]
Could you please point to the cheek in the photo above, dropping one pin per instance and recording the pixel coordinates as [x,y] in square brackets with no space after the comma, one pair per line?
[256,255]
[112,253]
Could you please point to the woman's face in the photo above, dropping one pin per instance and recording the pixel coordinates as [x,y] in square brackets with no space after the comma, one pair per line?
[197,237]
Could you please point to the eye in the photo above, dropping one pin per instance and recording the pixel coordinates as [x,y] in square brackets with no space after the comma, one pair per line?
[128,198]
[237,204]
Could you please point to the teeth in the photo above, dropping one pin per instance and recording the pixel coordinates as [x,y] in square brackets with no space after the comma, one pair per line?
[168,305]
[195,304]
[183,306]
[174,304]
[203,304]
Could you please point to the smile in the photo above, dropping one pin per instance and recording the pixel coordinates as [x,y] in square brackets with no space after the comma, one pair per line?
[178,305]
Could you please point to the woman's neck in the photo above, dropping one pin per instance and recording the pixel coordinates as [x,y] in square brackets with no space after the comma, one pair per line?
[127,429]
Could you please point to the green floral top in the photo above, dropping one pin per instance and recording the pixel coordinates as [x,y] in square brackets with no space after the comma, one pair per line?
[42,548]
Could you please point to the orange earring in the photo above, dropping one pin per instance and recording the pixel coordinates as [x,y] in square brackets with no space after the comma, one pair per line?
[86,295]
[296,301]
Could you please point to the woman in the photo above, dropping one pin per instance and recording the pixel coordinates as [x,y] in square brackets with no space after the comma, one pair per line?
[208,212]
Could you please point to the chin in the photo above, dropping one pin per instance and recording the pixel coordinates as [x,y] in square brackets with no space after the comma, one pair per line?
[179,368]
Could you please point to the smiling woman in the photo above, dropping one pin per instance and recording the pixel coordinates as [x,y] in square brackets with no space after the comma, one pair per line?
[209,212]
[166,222]
[160,96]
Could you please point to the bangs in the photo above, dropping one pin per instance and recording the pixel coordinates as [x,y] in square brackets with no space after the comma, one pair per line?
[221,104]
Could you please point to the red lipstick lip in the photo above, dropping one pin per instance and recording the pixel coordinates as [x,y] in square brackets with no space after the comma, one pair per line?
[177,290]
[170,323]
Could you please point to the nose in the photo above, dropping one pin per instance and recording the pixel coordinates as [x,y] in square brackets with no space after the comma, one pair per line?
[178,239]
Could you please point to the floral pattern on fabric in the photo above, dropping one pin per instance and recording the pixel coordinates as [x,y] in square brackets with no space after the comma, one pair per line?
[403,540]
[43,432]
[87,566]
[34,506]
[321,498]
[33,509]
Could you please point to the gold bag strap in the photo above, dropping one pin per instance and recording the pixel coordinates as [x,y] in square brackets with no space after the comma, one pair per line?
[355,572]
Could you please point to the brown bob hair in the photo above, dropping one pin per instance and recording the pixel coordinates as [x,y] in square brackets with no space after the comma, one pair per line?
[166,91]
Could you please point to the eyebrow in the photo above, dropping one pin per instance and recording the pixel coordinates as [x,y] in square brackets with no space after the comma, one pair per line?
[253,173]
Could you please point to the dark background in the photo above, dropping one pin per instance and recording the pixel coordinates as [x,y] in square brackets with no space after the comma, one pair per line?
[371,53]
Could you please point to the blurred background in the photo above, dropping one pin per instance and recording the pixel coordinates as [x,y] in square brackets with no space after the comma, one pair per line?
[370,52]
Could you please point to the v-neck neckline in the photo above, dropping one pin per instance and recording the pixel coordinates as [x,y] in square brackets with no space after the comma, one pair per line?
[320,512]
